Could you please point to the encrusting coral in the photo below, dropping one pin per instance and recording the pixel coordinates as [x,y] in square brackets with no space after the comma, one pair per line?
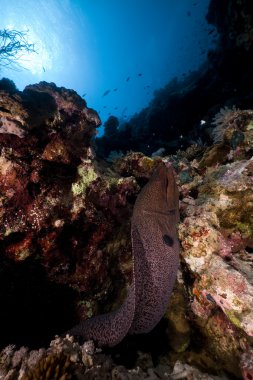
[216,235]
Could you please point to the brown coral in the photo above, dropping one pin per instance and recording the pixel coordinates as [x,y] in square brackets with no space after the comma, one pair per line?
[52,367]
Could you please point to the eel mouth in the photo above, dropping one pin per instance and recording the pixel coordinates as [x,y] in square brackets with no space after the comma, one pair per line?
[157,212]
[171,190]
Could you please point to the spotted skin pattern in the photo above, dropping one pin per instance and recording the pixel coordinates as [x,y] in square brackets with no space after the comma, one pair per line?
[155,262]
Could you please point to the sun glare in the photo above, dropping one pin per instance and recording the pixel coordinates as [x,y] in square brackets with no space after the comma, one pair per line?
[36,62]
[39,61]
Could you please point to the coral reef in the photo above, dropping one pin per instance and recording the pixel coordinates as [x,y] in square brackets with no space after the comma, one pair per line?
[232,136]
[216,235]
[66,249]
[232,126]
[66,359]
[59,209]
[136,164]
[65,214]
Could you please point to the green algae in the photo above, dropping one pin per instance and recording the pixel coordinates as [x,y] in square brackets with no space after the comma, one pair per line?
[249,127]
[87,176]
[234,318]
[232,221]
[245,228]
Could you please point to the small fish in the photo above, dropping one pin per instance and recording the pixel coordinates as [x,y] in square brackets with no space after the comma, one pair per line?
[188,13]
[140,75]
[84,95]
[43,69]
[106,92]
[115,89]
[105,106]
[115,108]
[210,298]
[128,78]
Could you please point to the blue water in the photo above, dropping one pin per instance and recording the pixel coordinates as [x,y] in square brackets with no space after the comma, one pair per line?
[130,47]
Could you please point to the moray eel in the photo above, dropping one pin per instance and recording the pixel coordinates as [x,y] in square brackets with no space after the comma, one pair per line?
[155,262]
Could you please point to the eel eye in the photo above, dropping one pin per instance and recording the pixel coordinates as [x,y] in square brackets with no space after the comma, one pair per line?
[168,240]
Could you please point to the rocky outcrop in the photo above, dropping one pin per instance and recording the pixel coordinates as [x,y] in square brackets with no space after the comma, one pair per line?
[216,234]
[63,217]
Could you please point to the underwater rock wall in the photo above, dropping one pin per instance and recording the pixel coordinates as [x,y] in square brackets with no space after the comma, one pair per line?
[63,217]
[173,118]
[216,235]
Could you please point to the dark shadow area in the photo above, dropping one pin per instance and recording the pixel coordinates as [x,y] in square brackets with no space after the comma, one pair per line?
[155,343]
[33,309]
[8,85]
[42,107]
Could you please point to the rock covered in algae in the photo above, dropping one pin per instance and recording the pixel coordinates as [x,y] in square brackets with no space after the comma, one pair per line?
[64,221]
[136,164]
[216,235]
